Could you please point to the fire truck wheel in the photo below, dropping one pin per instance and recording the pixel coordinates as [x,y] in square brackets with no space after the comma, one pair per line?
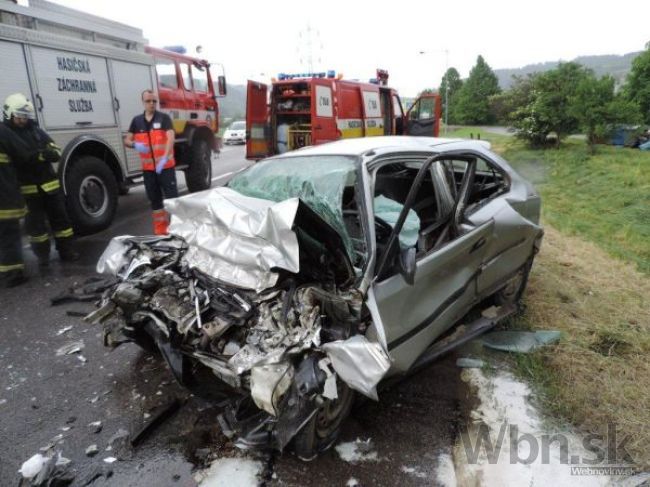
[91,195]
[199,175]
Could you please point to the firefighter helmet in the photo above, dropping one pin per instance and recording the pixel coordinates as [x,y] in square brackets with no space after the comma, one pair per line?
[18,105]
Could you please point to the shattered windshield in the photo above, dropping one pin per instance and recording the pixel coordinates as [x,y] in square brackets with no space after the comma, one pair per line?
[319,181]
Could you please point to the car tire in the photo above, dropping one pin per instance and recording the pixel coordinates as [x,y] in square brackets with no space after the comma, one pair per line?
[91,196]
[199,175]
[320,433]
[513,290]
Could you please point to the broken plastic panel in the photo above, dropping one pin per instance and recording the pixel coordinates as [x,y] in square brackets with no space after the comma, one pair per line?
[317,181]
[389,211]
[519,341]
[359,362]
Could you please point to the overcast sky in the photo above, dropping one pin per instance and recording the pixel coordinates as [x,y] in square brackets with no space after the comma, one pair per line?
[259,39]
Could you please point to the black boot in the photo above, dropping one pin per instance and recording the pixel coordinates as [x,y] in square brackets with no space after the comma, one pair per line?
[42,252]
[13,278]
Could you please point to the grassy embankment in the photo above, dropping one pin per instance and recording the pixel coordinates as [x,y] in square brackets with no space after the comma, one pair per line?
[592,282]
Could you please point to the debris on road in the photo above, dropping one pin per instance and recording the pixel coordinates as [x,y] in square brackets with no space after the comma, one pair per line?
[75,313]
[357,451]
[90,290]
[519,341]
[63,330]
[47,470]
[70,348]
[92,450]
[95,426]
[164,413]
[228,472]
[31,467]
[121,434]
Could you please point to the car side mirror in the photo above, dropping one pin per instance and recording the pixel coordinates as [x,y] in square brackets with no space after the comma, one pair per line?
[221,85]
[407,265]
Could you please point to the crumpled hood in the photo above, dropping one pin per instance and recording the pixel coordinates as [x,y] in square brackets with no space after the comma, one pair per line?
[235,238]
[245,241]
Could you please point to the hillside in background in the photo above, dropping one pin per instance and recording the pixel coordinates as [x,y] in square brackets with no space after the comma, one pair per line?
[233,106]
[616,66]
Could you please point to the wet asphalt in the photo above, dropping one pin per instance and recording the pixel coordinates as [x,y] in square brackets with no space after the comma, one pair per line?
[47,400]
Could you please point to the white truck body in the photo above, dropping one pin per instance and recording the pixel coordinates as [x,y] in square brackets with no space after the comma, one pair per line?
[85,75]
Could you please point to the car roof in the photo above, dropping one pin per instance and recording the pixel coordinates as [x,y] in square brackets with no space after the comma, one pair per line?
[395,143]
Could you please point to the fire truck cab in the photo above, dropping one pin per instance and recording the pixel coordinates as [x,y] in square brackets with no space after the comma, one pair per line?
[311,109]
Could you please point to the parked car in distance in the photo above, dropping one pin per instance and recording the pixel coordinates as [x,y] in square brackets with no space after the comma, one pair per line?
[320,273]
[235,134]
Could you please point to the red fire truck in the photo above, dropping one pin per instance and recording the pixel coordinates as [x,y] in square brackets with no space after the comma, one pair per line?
[311,109]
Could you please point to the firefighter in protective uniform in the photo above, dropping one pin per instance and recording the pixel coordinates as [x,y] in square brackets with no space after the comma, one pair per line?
[152,135]
[40,185]
[12,207]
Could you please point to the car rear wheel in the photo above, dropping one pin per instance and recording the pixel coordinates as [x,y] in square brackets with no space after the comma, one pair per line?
[513,290]
[323,429]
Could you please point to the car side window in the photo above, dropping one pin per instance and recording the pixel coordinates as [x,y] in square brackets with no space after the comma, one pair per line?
[489,182]
[423,109]
[166,71]
[431,207]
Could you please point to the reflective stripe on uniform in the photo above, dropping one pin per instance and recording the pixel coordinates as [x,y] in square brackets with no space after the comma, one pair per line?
[55,148]
[39,238]
[13,214]
[29,189]
[51,186]
[4,158]
[64,233]
[11,267]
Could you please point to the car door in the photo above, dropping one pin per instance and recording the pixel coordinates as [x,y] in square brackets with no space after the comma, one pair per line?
[258,131]
[423,118]
[444,287]
[512,243]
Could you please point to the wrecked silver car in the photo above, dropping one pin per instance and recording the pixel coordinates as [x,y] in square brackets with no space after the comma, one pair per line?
[321,273]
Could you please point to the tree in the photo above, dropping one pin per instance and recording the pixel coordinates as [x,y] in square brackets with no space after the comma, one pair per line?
[451,80]
[597,108]
[637,88]
[547,109]
[471,105]
[504,106]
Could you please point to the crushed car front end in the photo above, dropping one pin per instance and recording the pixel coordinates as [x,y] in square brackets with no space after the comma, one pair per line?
[261,292]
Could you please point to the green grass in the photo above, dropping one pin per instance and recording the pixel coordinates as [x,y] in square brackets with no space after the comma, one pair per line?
[594,207]
[604,197]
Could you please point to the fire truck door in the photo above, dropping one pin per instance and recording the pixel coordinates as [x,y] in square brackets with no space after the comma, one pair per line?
[323,122]
[258,130]
[423,118]
[170,92]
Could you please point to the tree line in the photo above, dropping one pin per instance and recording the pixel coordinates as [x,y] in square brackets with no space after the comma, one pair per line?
[546,107]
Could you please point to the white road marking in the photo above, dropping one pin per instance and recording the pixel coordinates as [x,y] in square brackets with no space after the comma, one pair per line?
[224,175]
